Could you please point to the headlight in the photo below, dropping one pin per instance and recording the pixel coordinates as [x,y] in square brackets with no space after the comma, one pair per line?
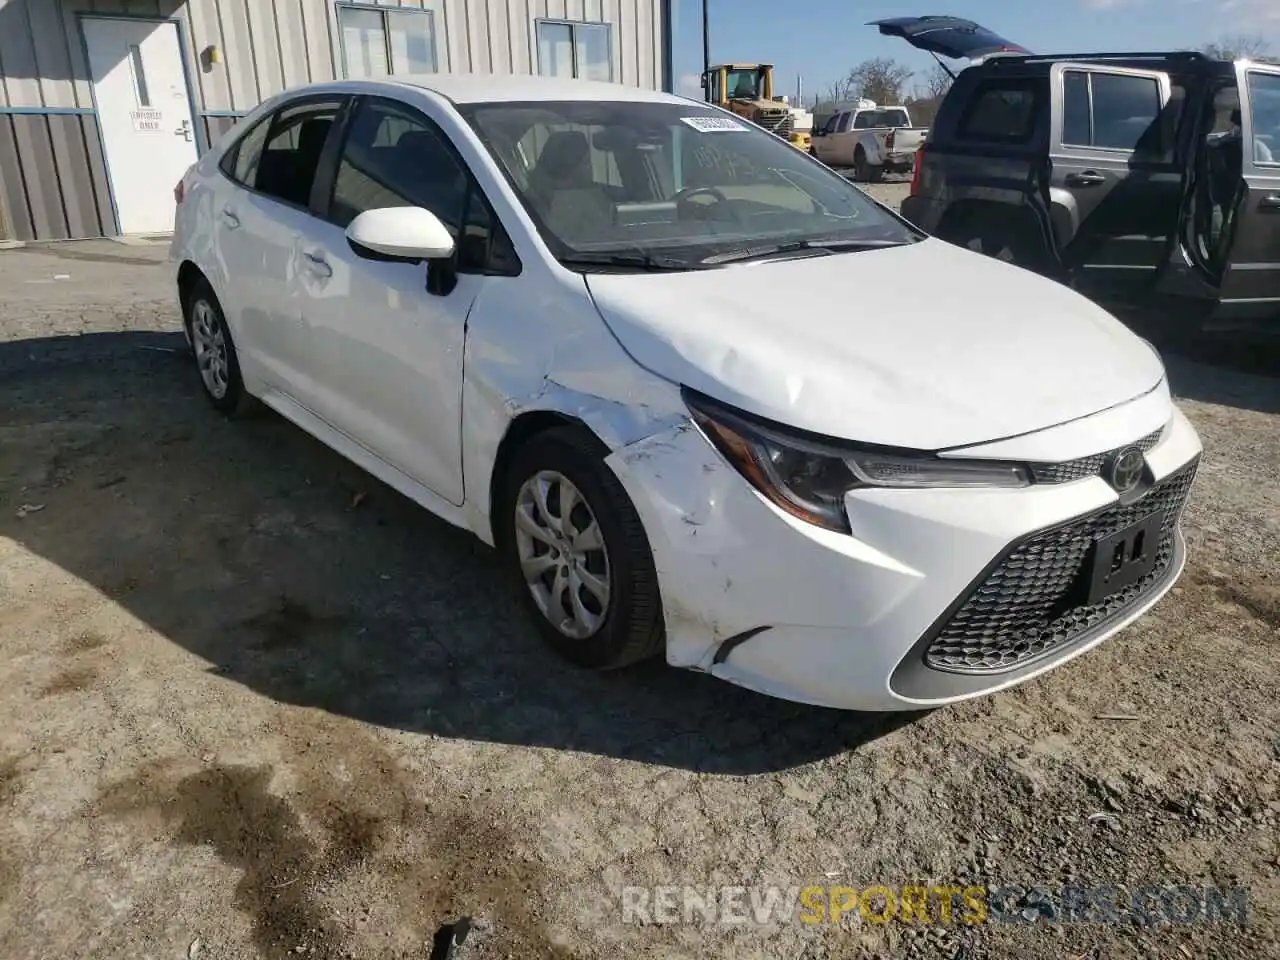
[809,476]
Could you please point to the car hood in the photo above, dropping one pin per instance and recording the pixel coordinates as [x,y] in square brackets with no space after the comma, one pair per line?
[947,36]
[925,346]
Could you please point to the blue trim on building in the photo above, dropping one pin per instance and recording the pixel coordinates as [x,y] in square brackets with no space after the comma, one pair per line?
[49,111]
[232,114]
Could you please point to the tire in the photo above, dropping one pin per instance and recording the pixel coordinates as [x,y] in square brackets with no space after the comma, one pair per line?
[865,171]
[214,353]
[625,625]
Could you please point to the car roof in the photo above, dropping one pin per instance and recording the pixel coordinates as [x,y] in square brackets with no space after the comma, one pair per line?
[495,88]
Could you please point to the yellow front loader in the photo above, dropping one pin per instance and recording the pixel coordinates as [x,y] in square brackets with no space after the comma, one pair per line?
[747,90]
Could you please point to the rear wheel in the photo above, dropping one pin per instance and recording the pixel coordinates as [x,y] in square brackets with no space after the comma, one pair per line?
[215,353]
[576,545]
[864,170]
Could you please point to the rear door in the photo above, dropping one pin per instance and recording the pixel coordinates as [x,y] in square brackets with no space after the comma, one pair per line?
[1251,283]
[1114,180]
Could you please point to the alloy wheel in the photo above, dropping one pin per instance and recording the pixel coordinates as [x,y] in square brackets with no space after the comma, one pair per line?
[210,347]
[562,554]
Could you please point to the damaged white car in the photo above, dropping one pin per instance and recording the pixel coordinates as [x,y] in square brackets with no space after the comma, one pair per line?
[567,317]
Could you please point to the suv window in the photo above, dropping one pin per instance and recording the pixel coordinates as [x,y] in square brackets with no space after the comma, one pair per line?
[1003,111]
[295,139]
[1111,110]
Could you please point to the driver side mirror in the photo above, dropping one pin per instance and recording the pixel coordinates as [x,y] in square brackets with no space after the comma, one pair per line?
[407,235]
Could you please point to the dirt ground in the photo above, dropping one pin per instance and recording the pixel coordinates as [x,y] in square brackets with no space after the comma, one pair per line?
[254,704]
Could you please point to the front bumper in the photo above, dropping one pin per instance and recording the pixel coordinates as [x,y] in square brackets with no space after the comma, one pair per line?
[866,622]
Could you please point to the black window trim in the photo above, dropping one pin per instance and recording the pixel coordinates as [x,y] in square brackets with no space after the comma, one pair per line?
[233,151]
[327,177]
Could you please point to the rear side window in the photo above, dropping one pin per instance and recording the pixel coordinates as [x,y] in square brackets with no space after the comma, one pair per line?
[240,163]
[1111,110]
[292,151]
[1003,111]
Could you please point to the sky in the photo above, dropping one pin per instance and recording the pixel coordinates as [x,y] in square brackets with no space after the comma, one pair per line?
[821,39]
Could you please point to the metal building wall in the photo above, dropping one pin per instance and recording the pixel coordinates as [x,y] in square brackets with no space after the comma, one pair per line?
[53,182]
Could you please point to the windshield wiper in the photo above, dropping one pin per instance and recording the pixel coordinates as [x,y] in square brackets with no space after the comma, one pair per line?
[819,247]
[643,262]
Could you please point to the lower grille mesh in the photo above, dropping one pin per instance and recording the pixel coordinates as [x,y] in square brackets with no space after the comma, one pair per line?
[1023,608]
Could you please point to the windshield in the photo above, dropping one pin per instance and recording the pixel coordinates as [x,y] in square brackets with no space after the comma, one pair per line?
[743,84]
[680,181]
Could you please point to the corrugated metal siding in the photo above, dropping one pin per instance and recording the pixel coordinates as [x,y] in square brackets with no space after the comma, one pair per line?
[50,164]
[53,177]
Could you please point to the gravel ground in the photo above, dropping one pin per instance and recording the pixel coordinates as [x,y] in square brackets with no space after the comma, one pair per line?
[254,704]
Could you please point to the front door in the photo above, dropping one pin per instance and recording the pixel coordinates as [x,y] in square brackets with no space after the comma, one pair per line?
[144,113]
[386,353]
[1114,170]
[1251,283]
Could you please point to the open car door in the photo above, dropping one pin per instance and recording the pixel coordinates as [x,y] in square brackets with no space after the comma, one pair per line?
[1251,281]
[949,37]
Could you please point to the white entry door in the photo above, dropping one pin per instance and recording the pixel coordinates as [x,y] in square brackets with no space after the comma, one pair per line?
[148,132]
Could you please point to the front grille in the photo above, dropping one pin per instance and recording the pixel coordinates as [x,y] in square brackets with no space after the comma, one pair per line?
[1023,609]
[780,124]
[1090,466]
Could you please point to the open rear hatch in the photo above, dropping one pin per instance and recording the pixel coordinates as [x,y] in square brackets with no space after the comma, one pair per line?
[948,37]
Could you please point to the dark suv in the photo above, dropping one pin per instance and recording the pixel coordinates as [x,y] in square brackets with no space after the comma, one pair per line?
[1142,179]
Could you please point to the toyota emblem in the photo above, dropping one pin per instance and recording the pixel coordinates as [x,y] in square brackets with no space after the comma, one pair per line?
[1126,469]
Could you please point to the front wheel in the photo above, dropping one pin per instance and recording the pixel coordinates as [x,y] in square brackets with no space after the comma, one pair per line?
[576,544]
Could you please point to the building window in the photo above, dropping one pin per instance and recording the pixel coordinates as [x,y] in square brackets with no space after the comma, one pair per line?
[381,42]
[575,50]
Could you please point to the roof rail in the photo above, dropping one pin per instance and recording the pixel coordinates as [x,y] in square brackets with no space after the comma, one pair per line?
[1141,55]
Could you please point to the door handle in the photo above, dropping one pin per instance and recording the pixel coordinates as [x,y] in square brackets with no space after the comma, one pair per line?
[318,264]
[229,216]
[1085,178]
[1269,203]
[184,131]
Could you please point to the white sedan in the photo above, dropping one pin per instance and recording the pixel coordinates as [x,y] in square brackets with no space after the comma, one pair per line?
[564,316]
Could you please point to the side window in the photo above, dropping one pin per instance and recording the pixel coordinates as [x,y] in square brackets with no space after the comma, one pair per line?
[240,163]
[1003,111]
[395,157]
[1264,112]
[1077,127]
[842,124]
[1124,110]
[863,120]
[287,166]
[1114,111]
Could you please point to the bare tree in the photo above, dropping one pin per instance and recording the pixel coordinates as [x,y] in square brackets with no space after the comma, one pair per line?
[880,79]
[936,82]
[1240,46]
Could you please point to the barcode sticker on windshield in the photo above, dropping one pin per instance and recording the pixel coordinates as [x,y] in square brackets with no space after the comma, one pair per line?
[713,124]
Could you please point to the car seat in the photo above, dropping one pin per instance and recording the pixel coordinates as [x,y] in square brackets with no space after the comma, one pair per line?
[564,189]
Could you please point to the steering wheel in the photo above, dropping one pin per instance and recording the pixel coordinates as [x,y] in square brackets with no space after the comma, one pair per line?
[697,210]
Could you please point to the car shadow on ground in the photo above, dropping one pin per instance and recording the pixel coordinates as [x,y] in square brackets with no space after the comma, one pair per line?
[294,573]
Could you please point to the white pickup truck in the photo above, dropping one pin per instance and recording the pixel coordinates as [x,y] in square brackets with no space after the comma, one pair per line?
[870,138]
